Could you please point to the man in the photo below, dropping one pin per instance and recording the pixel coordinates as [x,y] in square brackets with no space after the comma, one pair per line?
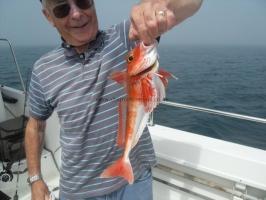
[73,81]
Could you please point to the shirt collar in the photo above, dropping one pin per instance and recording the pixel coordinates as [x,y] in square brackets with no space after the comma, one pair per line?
[93,46]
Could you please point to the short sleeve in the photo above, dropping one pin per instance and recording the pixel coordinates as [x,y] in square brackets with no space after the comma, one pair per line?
[39,108]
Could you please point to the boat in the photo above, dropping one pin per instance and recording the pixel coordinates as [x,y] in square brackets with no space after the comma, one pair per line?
[189,167]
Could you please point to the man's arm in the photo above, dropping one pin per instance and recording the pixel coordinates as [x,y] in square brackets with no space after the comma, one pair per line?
[151,18]
[33,146]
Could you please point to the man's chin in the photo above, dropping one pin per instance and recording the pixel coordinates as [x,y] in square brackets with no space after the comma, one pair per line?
[84,38]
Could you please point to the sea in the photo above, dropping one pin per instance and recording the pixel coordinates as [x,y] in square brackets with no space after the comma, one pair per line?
[225,78]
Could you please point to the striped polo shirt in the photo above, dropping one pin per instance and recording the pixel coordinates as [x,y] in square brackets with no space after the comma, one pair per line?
[78,88]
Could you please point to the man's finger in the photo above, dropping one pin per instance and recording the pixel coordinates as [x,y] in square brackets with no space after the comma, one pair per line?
[151,24]
[161,18]
[140,29]
[133,34]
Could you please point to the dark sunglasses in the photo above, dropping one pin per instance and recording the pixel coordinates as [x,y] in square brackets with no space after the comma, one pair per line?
[62,10]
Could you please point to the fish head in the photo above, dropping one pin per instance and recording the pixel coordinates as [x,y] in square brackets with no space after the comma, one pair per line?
[142,59]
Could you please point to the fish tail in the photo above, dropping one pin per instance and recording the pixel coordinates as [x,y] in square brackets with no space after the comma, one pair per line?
[122,168]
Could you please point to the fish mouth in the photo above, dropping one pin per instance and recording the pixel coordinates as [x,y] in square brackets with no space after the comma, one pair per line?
[146,71]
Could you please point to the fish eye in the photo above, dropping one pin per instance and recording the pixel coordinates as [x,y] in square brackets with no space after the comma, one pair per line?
[130,58]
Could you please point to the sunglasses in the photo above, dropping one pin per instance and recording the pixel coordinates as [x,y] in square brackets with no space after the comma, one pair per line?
[63,10]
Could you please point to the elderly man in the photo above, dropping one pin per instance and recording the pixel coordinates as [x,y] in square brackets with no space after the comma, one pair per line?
[73,79]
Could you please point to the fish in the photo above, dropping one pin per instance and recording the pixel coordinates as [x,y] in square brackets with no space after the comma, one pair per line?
[145,87]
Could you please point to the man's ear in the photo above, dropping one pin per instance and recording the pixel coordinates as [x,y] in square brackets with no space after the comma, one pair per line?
[48,16]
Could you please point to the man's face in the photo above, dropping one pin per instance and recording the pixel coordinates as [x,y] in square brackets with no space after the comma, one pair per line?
[79,26]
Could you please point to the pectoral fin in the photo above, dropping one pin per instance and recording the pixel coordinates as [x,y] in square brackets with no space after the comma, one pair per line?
[164,76]
[119,77]
[148,94]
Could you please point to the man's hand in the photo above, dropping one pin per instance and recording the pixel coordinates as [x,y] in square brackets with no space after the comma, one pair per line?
[39,191]
[152,18]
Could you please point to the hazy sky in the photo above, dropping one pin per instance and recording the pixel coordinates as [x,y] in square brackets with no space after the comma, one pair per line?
[228,22]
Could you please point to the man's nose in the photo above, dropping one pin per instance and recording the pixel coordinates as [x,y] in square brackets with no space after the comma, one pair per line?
[75,11]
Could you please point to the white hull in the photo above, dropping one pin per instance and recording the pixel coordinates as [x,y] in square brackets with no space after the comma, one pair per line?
[207,168]
[190,166]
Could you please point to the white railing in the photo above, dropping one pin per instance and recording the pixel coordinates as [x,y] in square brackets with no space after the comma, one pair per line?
[217,112]
[211,111]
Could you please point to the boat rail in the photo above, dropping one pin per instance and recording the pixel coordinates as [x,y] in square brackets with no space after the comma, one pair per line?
[237,191]
[15,61]
[210,111]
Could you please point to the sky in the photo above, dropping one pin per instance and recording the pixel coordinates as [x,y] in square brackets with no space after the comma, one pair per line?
[218,22]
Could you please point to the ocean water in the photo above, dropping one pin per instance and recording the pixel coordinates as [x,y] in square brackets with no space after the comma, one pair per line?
[231,79]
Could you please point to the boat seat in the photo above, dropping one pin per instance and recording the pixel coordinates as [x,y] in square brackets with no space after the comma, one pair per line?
[2,109]
[9,99]
[12,139]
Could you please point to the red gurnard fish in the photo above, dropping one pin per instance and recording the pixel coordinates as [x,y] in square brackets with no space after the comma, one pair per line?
[145,89]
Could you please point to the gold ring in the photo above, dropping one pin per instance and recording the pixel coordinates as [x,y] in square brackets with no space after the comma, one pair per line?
[161,13]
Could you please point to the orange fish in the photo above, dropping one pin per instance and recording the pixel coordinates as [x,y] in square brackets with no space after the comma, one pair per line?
[145,89]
